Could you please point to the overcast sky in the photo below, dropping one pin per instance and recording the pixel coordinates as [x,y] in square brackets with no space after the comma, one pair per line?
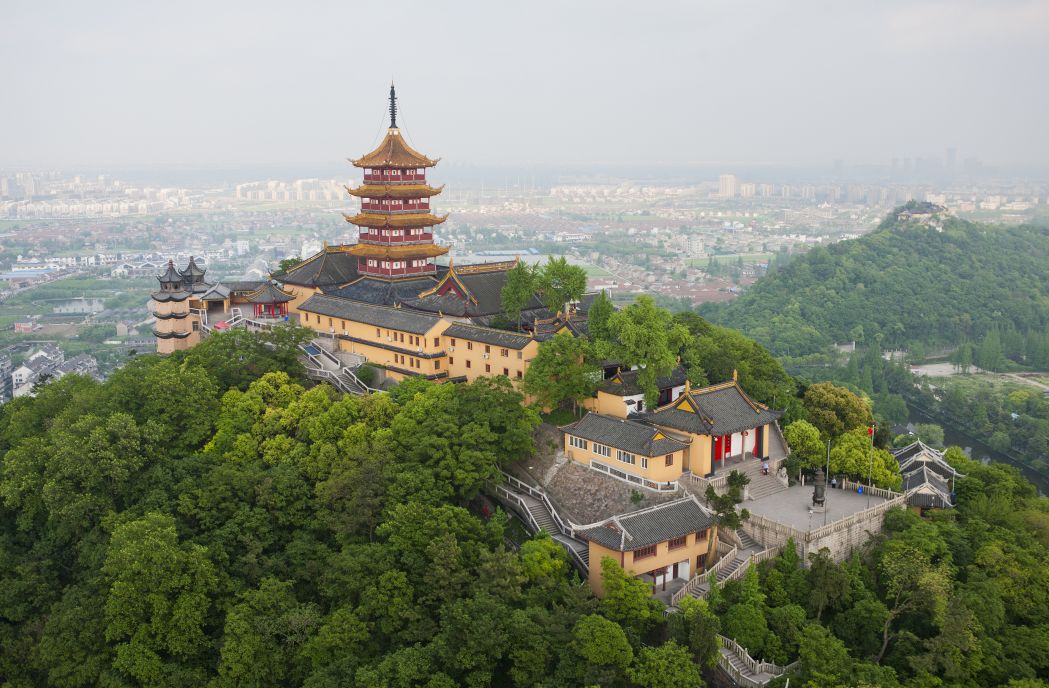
[789,82]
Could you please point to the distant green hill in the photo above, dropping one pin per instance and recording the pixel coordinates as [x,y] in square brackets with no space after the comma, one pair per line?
[937,281]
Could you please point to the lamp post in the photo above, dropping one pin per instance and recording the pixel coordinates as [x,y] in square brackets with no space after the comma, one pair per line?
[870,467]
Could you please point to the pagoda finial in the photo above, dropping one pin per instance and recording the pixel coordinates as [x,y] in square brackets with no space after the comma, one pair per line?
[393,107]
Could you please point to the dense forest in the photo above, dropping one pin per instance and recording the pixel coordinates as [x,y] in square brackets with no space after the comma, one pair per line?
[210,519]
[906,283]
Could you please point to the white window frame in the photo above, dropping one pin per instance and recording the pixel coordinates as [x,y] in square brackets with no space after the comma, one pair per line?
[625,457]
[577,442]
[602,450]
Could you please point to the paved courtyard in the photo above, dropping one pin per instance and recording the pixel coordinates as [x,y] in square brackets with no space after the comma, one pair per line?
[791,506]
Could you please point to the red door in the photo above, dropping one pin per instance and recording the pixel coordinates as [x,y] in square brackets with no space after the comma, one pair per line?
[718,454]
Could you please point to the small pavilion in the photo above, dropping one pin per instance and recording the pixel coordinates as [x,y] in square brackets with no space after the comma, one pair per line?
[269,301]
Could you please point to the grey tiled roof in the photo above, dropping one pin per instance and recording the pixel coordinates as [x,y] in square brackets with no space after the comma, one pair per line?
[400,319]
[630,387]
[325,269]
[488,335]
[484,286]
[242,285]
[269,293]
[628,435]
[651,526]
[925,487]
[919,454]
[717,410]
[384,292]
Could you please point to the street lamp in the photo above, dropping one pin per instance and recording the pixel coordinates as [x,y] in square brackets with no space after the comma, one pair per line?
[870,468]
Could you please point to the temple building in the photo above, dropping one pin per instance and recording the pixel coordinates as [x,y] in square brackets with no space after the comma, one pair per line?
[174,329]
[387,300]
[721,423]
[928,480]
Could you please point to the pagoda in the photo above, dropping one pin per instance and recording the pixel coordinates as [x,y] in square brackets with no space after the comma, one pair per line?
[396,225]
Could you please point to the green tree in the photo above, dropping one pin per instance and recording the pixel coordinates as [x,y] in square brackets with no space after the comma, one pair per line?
[628,600]
[604,648]
[644,335]
[835,410]
[287,264]
[158,602]
[597,316]
[930,433]
[912,582]
[805,444]
[559,282]
[697,628]
[518,291]
[851,455]
[562,371]
[668,666]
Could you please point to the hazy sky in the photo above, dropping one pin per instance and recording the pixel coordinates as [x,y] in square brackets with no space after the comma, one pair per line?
[794,82]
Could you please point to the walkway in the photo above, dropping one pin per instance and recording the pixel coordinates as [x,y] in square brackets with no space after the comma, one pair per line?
[536,510]
[323,365]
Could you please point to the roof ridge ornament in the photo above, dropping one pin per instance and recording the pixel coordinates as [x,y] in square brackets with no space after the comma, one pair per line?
[393,106]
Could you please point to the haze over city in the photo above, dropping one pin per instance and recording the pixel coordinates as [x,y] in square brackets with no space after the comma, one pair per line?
[122,84]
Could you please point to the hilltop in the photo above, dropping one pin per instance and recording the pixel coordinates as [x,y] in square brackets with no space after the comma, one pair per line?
[922,276]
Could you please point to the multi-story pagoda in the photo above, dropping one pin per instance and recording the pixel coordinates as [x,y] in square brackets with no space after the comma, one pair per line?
[174,329]
[396,235]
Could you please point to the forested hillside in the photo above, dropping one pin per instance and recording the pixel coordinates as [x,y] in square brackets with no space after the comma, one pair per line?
[905,282]
[207,519]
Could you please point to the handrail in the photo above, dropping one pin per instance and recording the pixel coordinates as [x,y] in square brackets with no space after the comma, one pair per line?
[872,490]
[756,667]
[566,529]
[703,577]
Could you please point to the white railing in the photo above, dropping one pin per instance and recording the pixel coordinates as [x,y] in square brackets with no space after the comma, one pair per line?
[718,481]
[618,474]
[873,491]
[516,498]
[703,578]
[756,668]
[567,528]
[201,313]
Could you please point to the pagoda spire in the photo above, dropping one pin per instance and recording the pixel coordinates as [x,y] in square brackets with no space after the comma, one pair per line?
[393,107]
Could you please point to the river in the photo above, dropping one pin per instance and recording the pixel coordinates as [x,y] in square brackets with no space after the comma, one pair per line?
[977,449]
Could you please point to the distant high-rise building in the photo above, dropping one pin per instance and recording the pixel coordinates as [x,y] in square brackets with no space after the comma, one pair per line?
[727,186]
[765,190]
[748,190]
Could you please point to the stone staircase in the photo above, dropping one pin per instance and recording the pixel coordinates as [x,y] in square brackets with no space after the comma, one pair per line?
[749,543]
[540,518]
[761,485]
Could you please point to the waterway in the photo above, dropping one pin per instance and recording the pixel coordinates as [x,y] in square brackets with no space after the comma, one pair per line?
[977,449]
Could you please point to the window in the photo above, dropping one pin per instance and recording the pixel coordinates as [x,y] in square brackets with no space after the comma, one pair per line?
[520,355]
[331,323]
[452,341]
[487,349]
[645,552]
[506,372]
[487,367]
[670,459]
[602,450]
[436,341]
[625,457]
[678,542]
[505,353]
[469,346]
[451,361]
[468,365]
[644,462]
[437,364]
[577,442]
[343,324]
[519,375]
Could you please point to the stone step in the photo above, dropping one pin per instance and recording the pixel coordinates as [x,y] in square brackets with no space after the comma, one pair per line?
[748,542]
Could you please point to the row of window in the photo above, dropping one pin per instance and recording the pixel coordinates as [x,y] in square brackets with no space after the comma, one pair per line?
[487,367]
[505,353]
[396,264]
[676,543]
[602,450]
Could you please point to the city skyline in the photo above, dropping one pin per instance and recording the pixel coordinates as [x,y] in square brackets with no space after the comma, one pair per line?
[677,84]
